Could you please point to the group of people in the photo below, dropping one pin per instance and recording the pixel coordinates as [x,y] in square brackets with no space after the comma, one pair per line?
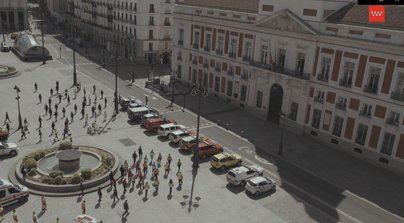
[53,108]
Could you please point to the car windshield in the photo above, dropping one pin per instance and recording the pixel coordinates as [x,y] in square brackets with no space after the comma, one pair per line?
[161,129]
[231,174]
[215,159]
[252,183]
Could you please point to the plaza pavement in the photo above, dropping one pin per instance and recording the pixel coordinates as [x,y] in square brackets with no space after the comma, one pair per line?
[217,203]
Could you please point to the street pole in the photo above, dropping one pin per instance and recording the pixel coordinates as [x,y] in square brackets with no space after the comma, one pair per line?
[74,57]
[17,89]
[116,78]
[185,96]
[43,42]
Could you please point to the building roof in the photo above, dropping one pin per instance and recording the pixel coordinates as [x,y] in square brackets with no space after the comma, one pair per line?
[250,6]
[354,14]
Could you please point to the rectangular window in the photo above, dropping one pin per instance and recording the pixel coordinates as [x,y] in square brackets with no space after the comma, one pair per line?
[281,59]
[325,69]
[388,143]
[217,84]
[398,92]
[341,103]
[338,122]
[393,118]
[151,34]
[194,73]
[247,51]
[361,134]
[366,110]
[232,50]
[151,21]
[220,44]
[179,71]
[196,40]
[181,37]
[346,80]
[264,54]
[373,80]
[243,92]
[208,42]
[150,46]
[319,97]
[229,88]
[293,111]
[300,60]
[315,123]
[151,8]
[259,99]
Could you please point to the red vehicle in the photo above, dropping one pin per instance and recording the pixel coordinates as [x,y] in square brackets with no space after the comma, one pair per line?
[152,125]
[3,134]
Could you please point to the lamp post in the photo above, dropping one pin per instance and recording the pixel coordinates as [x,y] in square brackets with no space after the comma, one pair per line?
[42,22]
[17,89]
[199,92]
[116,79]
[280,149]
[74,57]
[172,83]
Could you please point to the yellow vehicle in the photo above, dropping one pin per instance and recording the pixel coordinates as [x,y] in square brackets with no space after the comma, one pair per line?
[14,35]
[225,160]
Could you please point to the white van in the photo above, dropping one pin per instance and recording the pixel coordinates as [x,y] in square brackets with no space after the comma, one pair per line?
[10,193]
[166,129]
[135,114]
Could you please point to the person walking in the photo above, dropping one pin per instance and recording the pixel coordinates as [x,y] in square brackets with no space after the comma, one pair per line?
[43,203]
[23,134]
[115,195]
[40,121]
[179,165]
[68,99]
[134,157]
[50,113]
[51,91]
[99,192]
[57,86]
[122,170]
[105,115]
[105,102]
[15,217]
[156,184]
[40,98]
[56,116]
[102,94]
[99,109]
[166,169]
[82,112]
[46,109]
[84,91]
[34,219]
[36,87]
[60,98]
[169,159]
[8,126]
[7,119]
[111,177]
[56,134]
[53,126]
[26,124]
[71,116]
[180,178]
[140,151]
[94,88]
[40,135]
[83,207]
[170,185]
[75,108]
[124,186]
[56,107]
[126,208]
[93,111]
[151,155]
[81,188]
[145,168]
[64,112]
[65,93]
[126,165]
[146,189]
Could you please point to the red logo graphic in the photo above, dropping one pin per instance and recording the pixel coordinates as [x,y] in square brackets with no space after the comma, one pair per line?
[376,13]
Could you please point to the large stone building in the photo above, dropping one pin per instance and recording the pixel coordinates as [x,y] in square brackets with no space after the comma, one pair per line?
[13,15]
[57,9]
[139,29]
[318,63]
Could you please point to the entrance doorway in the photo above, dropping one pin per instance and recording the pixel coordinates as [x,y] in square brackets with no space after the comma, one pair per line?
[275,103]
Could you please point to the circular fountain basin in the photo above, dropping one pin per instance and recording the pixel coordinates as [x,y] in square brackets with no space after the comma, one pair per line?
[68,162]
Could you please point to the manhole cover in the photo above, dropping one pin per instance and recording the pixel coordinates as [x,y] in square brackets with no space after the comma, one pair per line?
[127,142]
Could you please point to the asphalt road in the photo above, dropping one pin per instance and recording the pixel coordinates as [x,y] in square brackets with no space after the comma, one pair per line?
[337,204]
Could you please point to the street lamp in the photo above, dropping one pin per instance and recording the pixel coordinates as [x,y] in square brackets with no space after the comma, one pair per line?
[17,89]
[42,23]
[172,83]
[200,92]
[280,149]
[116,79]
[74,56]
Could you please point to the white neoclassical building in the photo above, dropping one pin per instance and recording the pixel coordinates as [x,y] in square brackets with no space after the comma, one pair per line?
[13,15]
[139,29]
[322,65]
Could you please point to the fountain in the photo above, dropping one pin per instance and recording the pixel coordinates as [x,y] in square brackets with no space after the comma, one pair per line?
[69,160]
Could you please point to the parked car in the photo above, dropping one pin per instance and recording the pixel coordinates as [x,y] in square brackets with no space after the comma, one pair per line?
[258,185]
[152,125]
[225,160]
[149,116]
[176,136]
[8,149]
[14,35]
[187,143]
[11,193]
[240,175]
[130,102]
[166,129]
[4,134]
[207,149]
[153,81]
[135,114]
